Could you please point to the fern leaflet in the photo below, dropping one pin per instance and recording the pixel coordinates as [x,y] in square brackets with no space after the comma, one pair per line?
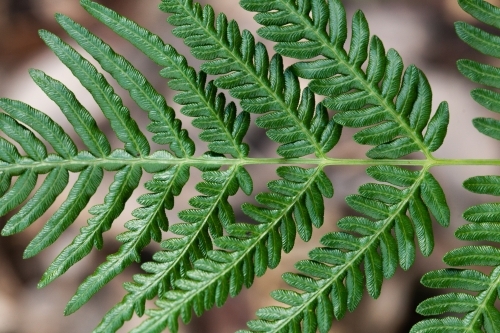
[362,99]
[332,281]
[261,85]
[248,249]
[481,315]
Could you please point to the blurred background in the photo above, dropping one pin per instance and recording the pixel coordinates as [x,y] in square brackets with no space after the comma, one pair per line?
[422,32]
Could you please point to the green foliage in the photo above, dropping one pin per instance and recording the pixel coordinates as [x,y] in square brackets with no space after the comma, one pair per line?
[481,315]
[336,282]
[262,85]
[309,29]
[211,255]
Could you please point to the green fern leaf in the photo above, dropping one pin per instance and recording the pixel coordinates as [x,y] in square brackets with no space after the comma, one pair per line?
[455,302]
[247,251]
[364,98]
[405,241]
[150,220]
[263,86]
[111,104]
[480,312]
[423,224]
[337,279]
[468,255]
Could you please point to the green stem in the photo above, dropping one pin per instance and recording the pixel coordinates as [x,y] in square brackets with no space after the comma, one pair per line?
[149,161]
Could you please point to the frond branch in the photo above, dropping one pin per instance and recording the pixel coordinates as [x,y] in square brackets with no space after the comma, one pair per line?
[176,258]
[182,77]
[335,51]
[258,85]
[362,99]
[325,295]
[226,269]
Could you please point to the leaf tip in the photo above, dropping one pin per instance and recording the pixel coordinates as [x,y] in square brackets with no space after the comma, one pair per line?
[85,3]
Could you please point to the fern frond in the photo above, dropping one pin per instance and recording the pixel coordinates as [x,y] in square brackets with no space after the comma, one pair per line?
[488,75]
[166,128]
[262,85]
[397,112]
[248,249]
[168,179]
[479,308]
[331,281]
[221,128]
[111,104]
[150,221]
[211,212]
[212,256]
